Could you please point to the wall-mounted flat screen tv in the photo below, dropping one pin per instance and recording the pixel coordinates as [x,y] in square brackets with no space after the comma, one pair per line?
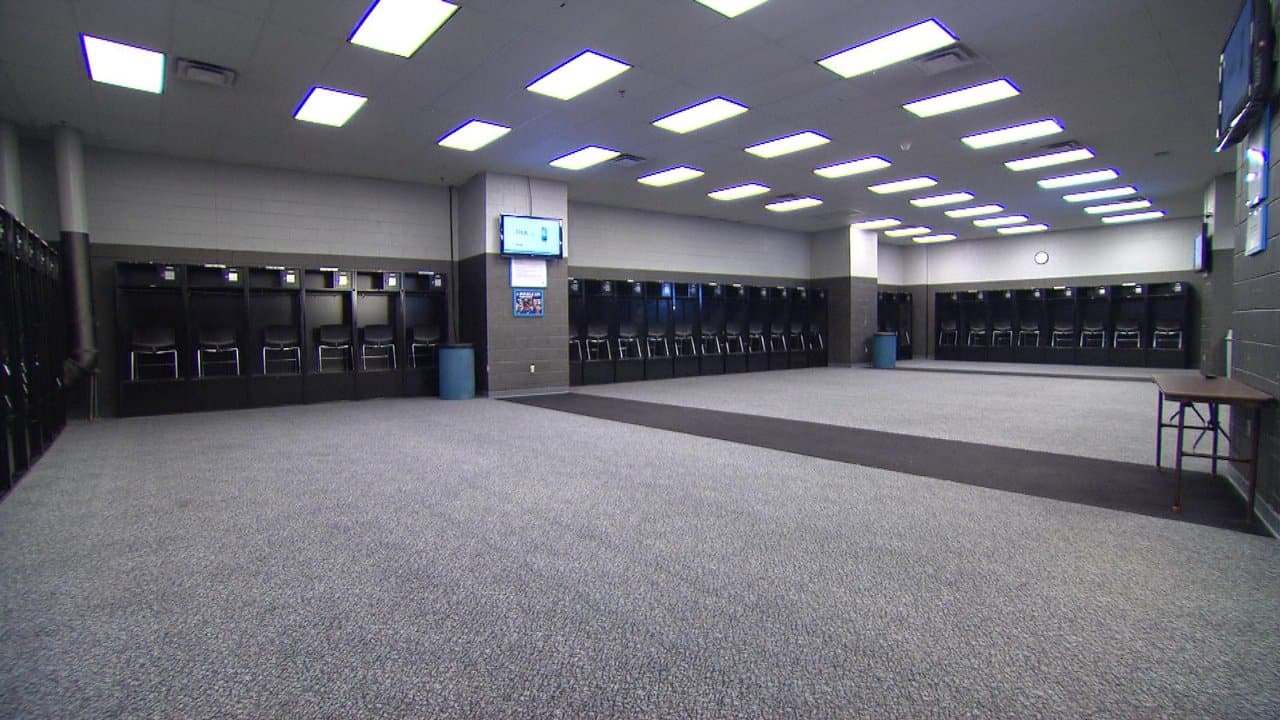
[1202,252]
[1245,69]
[524,236]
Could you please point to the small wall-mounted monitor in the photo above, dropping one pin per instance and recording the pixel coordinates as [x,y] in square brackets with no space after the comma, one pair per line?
[525,236]
[1201,253]
[1245,69]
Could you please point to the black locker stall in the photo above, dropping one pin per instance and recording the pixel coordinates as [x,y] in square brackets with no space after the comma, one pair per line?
[1003,317]
[13,458]
[1064,326]
[799,312]
[426,327]
[629,330]
[1031,330]
[330,339]
[1170,313]
[711,329]
[1129,325]
[948,312]
[217,337]
[777,328]
[816,328]
[737,318]
[600,310]
[151,335]
[577,330]
[272,355]
[894,314]
[975,325]
[379,338]
[759,311]
[658,328]
[1094,305]
[684,328]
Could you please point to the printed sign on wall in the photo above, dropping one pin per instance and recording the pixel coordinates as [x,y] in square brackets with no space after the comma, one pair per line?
[527,302]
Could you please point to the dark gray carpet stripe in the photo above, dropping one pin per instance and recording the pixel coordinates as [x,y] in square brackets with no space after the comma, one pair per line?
[1089,481]
[1028,373]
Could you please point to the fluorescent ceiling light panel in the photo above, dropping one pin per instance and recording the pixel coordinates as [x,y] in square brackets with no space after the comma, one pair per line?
[123,65]
[1135,217]
[731,8]
[1104,194]
[947,199]
[1022,229]
[1001,221]
[852,167]
[792,204]
[788,144]
[670,176]
[1043,161]
[928,239]
[877,224]
[473,135]
[577,75]
[325,106]
[737,192]
[400,27]
[908,231]
[1016,133]
[964,98]
[888,49]
[898,186]
[1084,178]
[1110,208]
[585,157]
[974,211]
[707,112]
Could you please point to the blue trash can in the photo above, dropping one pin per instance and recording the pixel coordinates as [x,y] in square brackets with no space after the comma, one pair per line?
[457,371]
[885,350]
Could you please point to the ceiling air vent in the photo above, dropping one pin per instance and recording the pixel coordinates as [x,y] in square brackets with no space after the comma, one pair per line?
[204,73]
[946,60]
[626,160]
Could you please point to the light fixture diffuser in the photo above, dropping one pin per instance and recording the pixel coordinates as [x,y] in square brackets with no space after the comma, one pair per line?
[577,75]
[1117,207]
[1135,217]
[908,231]
[852,167]
[904,185]
[1016,133]
[877,224]
[1104,194]
[788,144]
[946,199]
[793,204]
[731,8]
[1049,160]
[326,106]
[583,158]
[888,49]
[737,192]
[670,176]
[400,27]
[963,98]
[1084,178]
[974,211]
[1022,229]
[473,135]
[127,66]
[1001,221]
[939,238]
[695,117]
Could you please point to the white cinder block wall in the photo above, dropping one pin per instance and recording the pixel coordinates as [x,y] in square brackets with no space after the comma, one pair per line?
[137,199]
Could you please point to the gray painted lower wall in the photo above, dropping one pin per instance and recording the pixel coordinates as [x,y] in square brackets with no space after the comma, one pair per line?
[526,354]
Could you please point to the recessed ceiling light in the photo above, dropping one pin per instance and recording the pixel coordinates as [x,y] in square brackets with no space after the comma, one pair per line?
[852,167]
[473,135]
[326,106]
[939,238]
[877,224]
[731,8]
[792,204]
[1135,217]
[577,75]
[974,211]
[1001,221]
[400,27]
[1043,161]
[963,98]
[1022,229]
[694,117]
[123,65]
[1105,194]
[1016,133]
[888,49]
[947,199]
[908,231]
[585,157]
[737,192]
[670,176]
[898,186]
[1084,178]
[1117,207]
[788,144]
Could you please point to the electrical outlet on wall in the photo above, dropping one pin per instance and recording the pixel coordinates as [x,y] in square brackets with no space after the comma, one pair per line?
[533,368]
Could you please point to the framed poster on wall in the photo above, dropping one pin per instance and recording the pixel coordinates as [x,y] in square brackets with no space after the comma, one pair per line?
[1257,152]
[526,302]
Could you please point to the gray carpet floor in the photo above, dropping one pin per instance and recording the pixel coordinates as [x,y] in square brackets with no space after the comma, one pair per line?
[423,558]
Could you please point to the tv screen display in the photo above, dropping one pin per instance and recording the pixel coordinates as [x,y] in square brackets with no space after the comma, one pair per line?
[1201,252]
[531,236]
[1244,72]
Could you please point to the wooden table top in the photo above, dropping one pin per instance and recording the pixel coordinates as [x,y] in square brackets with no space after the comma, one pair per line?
[1194,387]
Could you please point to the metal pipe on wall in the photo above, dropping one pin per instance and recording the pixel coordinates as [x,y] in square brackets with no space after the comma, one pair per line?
[73,216]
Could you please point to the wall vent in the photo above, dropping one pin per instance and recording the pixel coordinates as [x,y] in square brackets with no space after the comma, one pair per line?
[204,73]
